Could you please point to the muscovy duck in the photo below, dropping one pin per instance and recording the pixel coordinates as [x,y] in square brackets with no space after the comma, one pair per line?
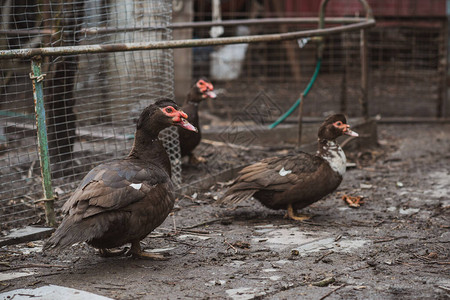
[295,181]
[122,201]
[200,91]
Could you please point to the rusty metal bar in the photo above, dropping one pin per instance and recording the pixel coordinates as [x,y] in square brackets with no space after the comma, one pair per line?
[363,100]
[184,25]
[38,94]
[442,71]
[71,50]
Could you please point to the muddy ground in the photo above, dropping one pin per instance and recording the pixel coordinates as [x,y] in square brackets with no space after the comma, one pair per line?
[396,245]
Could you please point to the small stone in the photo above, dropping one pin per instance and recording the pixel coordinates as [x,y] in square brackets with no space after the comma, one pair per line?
[372,263]
[327,260]
[445,237]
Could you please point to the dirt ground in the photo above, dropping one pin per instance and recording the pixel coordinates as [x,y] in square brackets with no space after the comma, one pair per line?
[396,245]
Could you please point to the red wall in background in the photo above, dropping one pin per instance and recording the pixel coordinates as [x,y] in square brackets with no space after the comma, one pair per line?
[385,8]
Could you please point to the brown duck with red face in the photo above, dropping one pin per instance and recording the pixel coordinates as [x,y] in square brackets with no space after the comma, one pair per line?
[122,201]
[201,90]
[296,181]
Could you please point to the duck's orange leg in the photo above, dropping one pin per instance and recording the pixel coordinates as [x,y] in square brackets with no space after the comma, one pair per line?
[137,252]
[290,214]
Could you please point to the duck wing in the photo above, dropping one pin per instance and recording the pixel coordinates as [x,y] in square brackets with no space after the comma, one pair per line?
[105,198]
[272,174]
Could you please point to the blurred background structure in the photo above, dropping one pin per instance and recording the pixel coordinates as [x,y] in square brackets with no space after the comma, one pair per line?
[407,58]
[92,100]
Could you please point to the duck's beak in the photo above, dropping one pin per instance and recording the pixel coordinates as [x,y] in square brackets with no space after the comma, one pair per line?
[180,120]
[349,132]
[186,125]
[211,94]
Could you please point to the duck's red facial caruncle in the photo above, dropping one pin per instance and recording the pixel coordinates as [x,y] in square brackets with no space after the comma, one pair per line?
[206,88]
[345,128]
[178,117]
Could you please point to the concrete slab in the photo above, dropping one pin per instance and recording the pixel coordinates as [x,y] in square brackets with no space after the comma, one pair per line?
[305,242]
[51,292]
[245,293]
[13,275]
[26,234]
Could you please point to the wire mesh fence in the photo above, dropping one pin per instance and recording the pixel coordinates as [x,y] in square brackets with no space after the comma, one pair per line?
[407,59]
[92,100]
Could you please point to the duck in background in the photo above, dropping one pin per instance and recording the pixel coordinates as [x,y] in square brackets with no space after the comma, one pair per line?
[122,201]
[295,181]
[201,90]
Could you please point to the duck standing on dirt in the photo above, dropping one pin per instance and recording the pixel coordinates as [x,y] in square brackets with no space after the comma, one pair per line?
[201,90]
[296,181]
[122,201]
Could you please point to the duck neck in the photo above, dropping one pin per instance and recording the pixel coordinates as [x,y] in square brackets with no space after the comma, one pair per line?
[191,98]
[149,149]
[190,107]
[333,154]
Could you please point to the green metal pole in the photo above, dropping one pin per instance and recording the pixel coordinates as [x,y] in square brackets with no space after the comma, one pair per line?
[38,94]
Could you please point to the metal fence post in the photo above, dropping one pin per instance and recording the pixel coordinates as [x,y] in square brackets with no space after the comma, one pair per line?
[364,75]
[38,94]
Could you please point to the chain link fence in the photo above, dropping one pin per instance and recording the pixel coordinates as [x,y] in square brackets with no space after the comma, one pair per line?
[92,100]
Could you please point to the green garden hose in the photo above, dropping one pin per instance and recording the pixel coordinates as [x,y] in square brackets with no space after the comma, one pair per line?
[297,103]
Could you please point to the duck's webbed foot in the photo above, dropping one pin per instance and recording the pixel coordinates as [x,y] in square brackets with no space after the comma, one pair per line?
[137,252]
[103,252]
[290,214]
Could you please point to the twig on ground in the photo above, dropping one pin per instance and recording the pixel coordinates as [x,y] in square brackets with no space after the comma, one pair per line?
[389,239]
[207,223]
[312,223]
[332,291]
[445,288]
[35,266]
[323,256]
[203,232]
[230,246]
[47,274]
[354,270]
[379,223]
[5,286]
[110,287]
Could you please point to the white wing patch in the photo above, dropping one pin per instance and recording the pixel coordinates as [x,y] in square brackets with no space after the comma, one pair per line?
[284,172]
[136,186]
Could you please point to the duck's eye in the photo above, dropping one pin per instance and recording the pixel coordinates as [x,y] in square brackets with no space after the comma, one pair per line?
[338,123]
[169,110]
[202,86]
